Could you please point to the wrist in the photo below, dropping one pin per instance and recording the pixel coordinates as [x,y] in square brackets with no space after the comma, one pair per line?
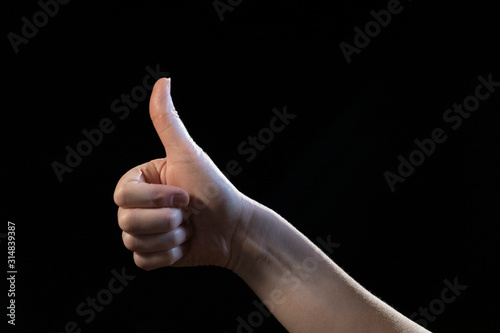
[260,230]
[243,236]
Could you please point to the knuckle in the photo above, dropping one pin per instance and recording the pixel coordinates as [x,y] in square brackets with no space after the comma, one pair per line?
[125,219]
[142,262]
[167,258]
[129,241]
[172,218]
[168,219]
[179,236]
[119,195]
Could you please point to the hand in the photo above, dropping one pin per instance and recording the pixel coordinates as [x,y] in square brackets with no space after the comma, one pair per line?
[179,210]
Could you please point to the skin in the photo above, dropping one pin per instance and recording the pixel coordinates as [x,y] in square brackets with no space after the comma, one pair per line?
[182,211]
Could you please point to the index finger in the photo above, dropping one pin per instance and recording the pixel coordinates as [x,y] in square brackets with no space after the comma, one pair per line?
[132,191]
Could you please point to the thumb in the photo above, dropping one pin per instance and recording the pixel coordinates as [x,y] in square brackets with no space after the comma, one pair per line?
[172,132]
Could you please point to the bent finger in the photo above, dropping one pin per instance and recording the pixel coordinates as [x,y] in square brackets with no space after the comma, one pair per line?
[154,260]
[132,191]
[156,242]
[149,220]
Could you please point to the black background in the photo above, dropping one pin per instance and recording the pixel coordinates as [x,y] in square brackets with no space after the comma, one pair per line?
[324,172]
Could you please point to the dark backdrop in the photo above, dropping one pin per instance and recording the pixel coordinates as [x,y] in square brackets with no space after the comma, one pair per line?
[324,172]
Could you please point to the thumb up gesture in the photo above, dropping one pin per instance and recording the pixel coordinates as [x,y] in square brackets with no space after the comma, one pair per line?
[179,210]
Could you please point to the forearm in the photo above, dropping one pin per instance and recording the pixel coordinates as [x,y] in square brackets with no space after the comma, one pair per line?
[302,287]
